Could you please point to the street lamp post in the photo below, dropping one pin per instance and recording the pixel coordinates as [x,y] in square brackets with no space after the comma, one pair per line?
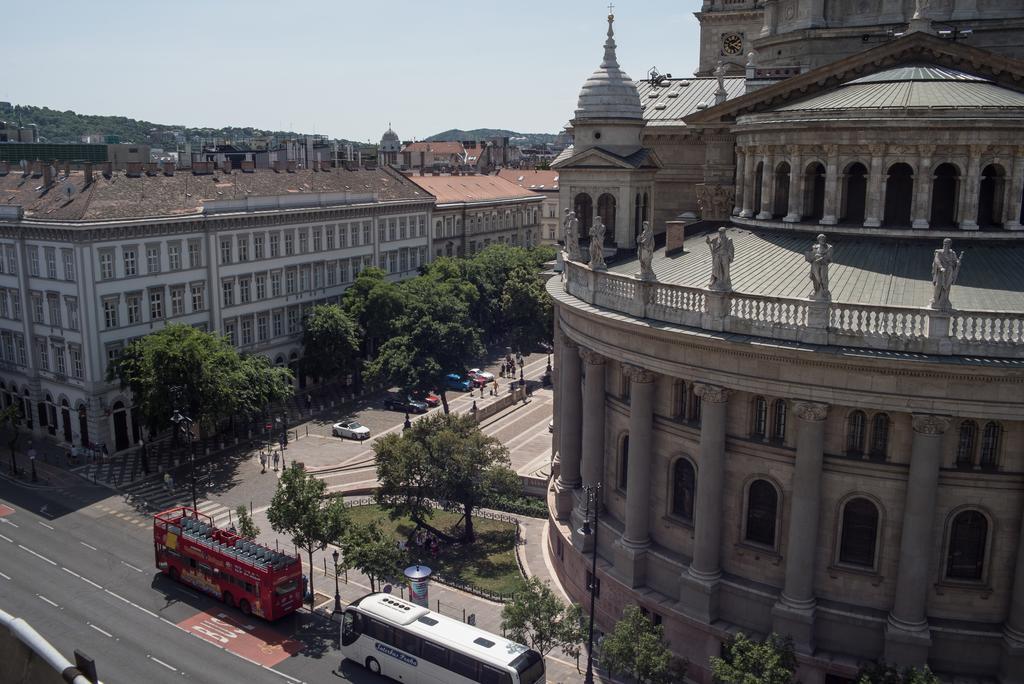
[592,493]
[337,592]
[185,423]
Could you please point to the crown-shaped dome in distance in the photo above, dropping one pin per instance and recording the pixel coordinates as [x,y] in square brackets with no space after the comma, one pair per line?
[389,135]
[609,93]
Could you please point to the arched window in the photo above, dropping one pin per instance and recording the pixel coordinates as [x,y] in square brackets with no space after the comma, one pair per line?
[859,533]
[623,464]
[965,559]
[899,195]
[990,196]
[762,508]
[814,191]
[779,420]
[965,444]
[990,440]
[880,436]
[684,484]
[945,190]
[606,208]
[855,187]
[855,433]
[760,417]
[583,205]
[780,204]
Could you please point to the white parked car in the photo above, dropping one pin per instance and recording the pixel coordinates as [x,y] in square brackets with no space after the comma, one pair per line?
[477,373]
[351,429]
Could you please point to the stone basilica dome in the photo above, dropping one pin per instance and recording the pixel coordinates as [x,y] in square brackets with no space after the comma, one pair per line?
[389,136]
[609,93]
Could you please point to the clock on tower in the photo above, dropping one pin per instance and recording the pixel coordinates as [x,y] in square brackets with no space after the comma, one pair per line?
[732,44]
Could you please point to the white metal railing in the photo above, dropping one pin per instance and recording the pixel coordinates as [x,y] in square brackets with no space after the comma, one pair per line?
[872,326]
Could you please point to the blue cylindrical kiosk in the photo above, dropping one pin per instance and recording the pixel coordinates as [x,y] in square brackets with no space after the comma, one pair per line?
[419,578]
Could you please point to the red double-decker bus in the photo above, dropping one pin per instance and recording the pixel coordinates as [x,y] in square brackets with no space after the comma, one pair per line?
[259,580]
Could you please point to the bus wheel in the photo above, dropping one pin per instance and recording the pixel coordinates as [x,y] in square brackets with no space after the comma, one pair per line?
[244,606]
[229,600]
[373,666]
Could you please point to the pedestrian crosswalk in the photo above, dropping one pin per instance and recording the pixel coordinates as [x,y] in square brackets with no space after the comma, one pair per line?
[153,495]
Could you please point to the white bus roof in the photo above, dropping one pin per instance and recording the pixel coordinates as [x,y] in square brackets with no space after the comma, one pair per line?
[490,648]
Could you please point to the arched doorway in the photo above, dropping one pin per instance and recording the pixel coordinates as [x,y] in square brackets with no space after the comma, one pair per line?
[945,191]
[606,210]
[51,415]
[645,215]
[584,208]
[758,186]
[899,195]
[780,205]
[814,191]
[26,409]
[120,426]
[990,196]
[855,189]
[65,420]
[83,424]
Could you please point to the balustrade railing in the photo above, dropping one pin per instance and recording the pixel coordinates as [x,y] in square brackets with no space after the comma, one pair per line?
[819,322]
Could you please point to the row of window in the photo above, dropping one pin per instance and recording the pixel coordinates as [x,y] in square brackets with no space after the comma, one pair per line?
[155,301]
[51,356]
[153,259]
[858,529]
[12,348]
[451,226]
[46,309]
[246,330]
[48,261]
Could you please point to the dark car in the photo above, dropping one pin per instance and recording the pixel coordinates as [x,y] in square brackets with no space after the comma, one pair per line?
[405,404]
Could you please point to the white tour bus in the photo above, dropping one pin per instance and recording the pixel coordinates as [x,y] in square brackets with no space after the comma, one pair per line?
[415,645]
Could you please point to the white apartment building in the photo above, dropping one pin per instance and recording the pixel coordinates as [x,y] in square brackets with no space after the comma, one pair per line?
[91,261]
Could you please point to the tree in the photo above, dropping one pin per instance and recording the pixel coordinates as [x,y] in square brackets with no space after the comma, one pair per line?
[372,551]
[441,457]
[636,647]
[374,304]
[301,510]
[199,373]
[537,618]
[880,673]
[247,528]
[330,342]
[771,661]
[526,310]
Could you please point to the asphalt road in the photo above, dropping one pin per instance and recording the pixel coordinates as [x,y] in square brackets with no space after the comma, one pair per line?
[84,579]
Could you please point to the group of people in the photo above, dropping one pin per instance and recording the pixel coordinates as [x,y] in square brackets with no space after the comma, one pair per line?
[264,457]
[427,540]
[508,368]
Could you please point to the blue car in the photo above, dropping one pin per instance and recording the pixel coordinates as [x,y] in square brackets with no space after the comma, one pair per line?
[454,381]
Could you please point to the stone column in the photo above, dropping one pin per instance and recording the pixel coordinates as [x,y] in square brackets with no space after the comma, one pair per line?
[874,211]
[750,173]
[699,596]
[907,636]
[741,177]
[831,186]
[770,11]
[793,614]
[1013,630]
[569,430]
[631,554]
[796,185]
[767,185]
[967,216]
[593,417]
[816,13]
[923,187]
[1016,192]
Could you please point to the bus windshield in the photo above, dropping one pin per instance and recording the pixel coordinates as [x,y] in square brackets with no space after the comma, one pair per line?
[530,667]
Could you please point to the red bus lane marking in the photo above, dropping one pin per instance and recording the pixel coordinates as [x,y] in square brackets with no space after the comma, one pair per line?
[260,643]
[5,510]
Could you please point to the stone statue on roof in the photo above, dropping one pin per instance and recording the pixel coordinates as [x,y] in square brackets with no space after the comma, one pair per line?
[945,269]
[819,256]
[571,225]
[722,253]
[645,252]
[597,245]
[720,75]
[921,8]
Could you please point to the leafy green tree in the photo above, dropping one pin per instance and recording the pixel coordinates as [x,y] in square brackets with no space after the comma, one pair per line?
[247,527]
[301,509]
[372,551]
[200,373]
[374,304]
[880,673]
[771,661]
[636,647]
[445,458]
[330,342]
[537,618]
[526,310]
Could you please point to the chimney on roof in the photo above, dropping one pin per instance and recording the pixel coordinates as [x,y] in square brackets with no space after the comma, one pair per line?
[248,166]
[87,170]
[108,169]
[291,165]
[134,169]
[315,164]
[201,168]
[37,168]
[168,168]
[151,168]
[47,175]
[225,165]
[67,168]
[5,168]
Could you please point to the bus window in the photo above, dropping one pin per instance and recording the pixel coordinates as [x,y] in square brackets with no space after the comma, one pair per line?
[286,587]
[530,667]
[434,653]
[350,628]
[488,675]
[462,664]
[410,643]
[379,631]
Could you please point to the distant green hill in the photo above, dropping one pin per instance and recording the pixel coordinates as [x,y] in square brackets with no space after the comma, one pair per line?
[521,139]
[69,127]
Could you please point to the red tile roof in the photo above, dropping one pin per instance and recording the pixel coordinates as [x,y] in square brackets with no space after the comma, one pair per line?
[452,189]
[541,181]
[438,148]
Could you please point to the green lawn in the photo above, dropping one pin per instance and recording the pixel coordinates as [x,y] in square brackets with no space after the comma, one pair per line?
[488,563]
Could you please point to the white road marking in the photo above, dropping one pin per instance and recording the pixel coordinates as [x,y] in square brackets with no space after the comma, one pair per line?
[4,576]
[8,539]
[48,600]
[118,596]
[131,566]
[44,524]
[5,521]
[89,581]
[88,546]
[160,662]
[37,555]
[101,631]
[71,572]
[282,674]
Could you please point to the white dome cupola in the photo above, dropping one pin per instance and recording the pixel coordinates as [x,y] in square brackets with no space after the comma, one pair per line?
[609,93]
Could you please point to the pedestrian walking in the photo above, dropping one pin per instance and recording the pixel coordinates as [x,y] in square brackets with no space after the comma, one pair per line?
[309,403]
[169,482]
[277,457]
[482,390]
[263,462]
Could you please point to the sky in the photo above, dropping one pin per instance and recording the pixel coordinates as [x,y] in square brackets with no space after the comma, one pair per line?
[341,68]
